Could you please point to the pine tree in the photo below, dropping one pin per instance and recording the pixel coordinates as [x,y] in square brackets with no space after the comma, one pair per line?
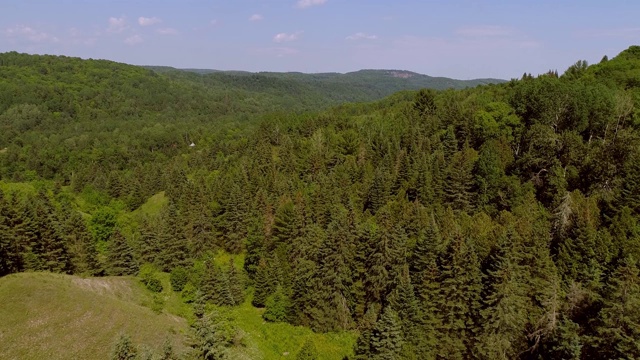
[386,338]
[362,347]
[10,261]
[120,258]
[505,314]
[619,324]
[149,242]
[459,181]
[333,278]
[459,299]
[262,285]
[51,247]
[167,351]
[175,251]
[124,349]
[235,284]
[82,248]
[210,341]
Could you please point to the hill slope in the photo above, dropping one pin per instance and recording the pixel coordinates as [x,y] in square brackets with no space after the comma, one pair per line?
[65,317]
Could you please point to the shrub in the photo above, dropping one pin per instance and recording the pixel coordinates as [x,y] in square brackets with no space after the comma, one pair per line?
[179,277]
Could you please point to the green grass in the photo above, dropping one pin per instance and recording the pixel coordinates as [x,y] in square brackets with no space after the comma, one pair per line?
[17,187]
[265,340]
[153,205]
[52,316]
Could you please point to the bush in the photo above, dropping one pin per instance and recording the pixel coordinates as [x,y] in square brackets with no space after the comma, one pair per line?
[154,284]
[189,293]
[179,277]
[149,279]
[276,307]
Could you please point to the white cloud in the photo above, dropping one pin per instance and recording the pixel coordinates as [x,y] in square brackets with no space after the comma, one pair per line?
[256,17]
[284,37]
[145,21]
[132,40]
[117,25]
[30,34]
[167,31]
[303,4]
[484,31]
[361,36]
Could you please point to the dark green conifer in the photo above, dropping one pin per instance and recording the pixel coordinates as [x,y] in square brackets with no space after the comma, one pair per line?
[124,349]
[120,258]
[386,338]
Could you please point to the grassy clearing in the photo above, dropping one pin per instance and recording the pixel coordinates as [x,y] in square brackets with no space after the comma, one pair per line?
[265,340]
[52,316]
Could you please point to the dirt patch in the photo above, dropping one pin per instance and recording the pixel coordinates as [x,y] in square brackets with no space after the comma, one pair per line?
[106,286]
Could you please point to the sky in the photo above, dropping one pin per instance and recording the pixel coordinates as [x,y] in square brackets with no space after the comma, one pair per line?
[462,39]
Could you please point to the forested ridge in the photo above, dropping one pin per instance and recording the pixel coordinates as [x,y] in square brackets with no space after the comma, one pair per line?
[496,222]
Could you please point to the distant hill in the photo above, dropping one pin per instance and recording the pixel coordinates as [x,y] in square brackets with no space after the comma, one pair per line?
[362,85]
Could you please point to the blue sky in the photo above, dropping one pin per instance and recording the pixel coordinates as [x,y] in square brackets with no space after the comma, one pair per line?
[460,39]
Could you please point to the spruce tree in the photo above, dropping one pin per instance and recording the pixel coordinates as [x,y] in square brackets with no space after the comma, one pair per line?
[505,313]
[175,251]
[124,349]
[459,299]
[120,257]
[82,248]
[386,338]
[262,285]
[10,261]
[235,284]
[618,329]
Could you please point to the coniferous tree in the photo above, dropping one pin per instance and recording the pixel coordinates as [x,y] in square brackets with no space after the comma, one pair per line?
[308,351]
[504,316]
[174,244]
[386,338]
[124,349]
[458,302]
[120,257]
[10,253]
[81,245]
[262,285]
[619,324]
[235,284]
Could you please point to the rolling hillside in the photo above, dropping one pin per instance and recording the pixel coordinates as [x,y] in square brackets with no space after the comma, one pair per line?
[55,316]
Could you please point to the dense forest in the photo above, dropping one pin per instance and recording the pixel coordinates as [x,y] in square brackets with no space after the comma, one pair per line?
[495,222]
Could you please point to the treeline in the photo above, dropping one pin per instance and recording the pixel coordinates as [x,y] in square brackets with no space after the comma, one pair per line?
[495,222]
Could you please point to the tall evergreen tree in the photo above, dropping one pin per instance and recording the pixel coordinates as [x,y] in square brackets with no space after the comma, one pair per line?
[386,338]
[618,329]
[120,257]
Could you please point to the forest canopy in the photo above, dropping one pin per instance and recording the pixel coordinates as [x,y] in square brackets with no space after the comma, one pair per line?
[500,221]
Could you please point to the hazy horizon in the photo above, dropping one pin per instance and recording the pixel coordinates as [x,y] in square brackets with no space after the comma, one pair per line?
[457,39]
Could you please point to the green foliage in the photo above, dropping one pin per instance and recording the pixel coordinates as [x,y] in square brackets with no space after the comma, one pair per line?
[495,222]
[189,293]
[124,349]
[276,307]
[120,256]
[179,277]
[308,351]
[149,278]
